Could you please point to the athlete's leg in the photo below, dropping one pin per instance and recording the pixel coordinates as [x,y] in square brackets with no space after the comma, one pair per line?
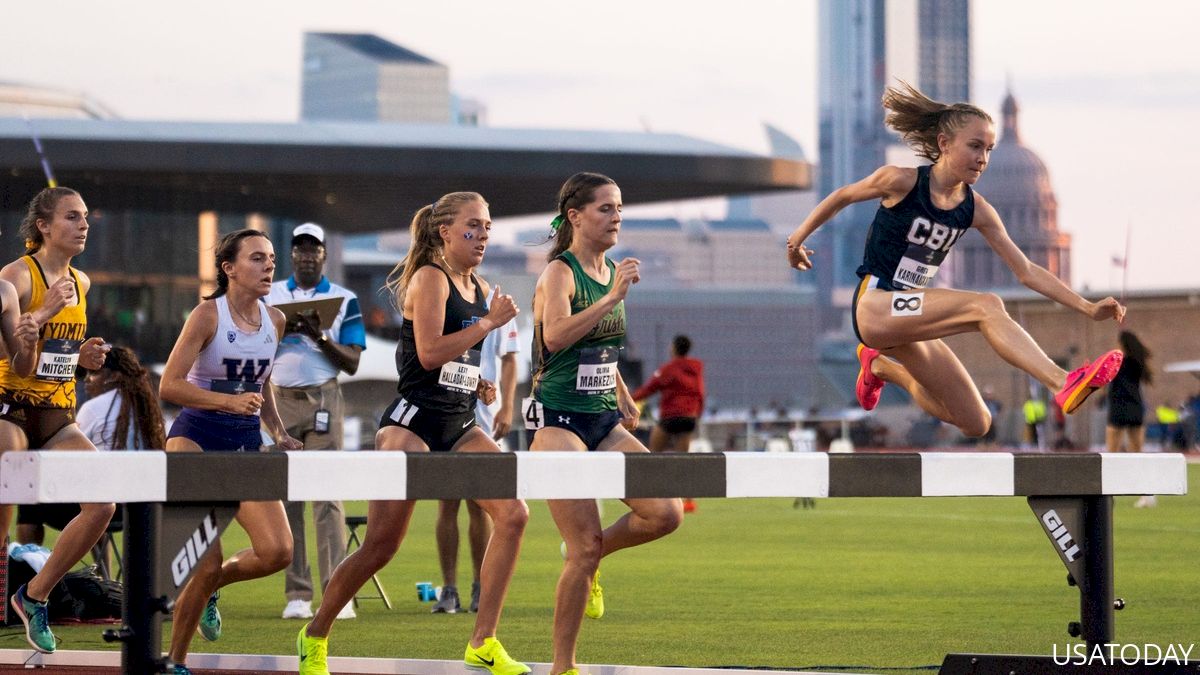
[891,370]
[479,532]
[1112,438]
[387,523]
[648,519]
[11,438]
[192,600]
[81,534]
[578,522]
[270,543]
[509,517]
[660,440]
[681,442]
[1137,436]
[446,534]
[938,383]
[195,593]
[945,312]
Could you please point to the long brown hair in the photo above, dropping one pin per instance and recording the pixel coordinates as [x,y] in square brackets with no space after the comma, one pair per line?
[576,193]
[1136,352]
[139,405]
[426,244]
[227,251]
[920,119]
[41,207]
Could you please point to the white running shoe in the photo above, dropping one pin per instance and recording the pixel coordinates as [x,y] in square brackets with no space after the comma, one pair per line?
[298,609]
[347,612]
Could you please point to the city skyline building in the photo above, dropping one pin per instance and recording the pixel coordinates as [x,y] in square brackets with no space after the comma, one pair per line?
[1017,183]
[865,46]
[363,77]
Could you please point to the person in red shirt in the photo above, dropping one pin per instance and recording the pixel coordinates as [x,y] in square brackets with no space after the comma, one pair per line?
[680,383]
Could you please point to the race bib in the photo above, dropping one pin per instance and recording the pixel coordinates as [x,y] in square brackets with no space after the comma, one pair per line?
[235,387]
[597,372]
[913,274]
[58,360]
[461,374]
[917,268]
[907,304]
[535,416]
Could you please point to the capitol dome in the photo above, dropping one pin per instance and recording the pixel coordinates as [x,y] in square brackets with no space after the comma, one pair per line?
[1017,183]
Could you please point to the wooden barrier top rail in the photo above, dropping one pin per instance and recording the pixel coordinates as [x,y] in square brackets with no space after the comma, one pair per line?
[152,476]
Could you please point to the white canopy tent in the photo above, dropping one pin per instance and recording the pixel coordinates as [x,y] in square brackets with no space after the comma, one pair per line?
[1192,367]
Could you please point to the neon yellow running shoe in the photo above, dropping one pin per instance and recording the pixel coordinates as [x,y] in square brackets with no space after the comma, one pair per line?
[595,601]
[313,653]
[490,656]
[573,671]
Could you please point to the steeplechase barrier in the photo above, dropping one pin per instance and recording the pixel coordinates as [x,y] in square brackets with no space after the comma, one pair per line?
[177,503]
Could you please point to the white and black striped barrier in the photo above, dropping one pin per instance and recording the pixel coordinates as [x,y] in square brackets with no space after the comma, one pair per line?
[177,503]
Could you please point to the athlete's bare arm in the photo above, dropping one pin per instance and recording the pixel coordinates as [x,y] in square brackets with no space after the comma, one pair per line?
[1034,276]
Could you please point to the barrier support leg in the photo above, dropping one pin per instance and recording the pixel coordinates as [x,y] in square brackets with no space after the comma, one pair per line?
[1096,596]
[141,635]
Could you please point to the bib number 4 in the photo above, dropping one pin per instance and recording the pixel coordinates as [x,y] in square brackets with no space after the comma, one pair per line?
[535,416]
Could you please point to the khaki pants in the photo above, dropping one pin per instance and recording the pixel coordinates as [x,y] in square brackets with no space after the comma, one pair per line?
[297,408]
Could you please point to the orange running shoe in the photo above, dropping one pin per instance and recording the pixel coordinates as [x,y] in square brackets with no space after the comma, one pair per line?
[1089,377]
[868,387]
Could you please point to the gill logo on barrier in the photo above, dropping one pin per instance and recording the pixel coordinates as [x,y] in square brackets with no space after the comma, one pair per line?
[1061,535]
[194,548]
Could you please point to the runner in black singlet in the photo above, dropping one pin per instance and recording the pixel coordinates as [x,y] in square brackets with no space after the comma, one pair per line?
[922,213]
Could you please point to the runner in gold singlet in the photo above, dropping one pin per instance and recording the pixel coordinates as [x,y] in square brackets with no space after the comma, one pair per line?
[37,404]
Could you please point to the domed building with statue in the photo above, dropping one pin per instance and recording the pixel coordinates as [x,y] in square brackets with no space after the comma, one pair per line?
[1017,184]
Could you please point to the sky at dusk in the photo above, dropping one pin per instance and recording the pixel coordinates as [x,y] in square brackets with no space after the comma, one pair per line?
[1109,90]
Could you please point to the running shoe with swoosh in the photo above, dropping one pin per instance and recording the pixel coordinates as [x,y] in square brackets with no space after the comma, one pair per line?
[313,653]
[868,387]
[595,601]
[492,657]
[1089,377]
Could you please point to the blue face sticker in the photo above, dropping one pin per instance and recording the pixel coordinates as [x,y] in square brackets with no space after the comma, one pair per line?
[469,235]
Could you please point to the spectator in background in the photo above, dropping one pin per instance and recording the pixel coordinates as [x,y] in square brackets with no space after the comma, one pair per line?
[309,400]
[1035,416]
[1126,431]
[994,407]
[121,405]
[1193,411]
[122,411]
[680,385]
[500,346]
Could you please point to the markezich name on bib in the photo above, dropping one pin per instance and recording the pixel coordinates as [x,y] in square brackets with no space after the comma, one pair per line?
[1114,653]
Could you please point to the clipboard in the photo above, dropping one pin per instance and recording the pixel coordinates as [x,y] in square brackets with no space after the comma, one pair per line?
[327,309]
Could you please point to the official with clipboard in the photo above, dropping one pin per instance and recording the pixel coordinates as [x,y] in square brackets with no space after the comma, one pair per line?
[325,336]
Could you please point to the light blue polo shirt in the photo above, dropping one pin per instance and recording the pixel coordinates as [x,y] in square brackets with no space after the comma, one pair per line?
[299,362]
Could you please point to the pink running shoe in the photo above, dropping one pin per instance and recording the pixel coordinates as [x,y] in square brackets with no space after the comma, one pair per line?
[868,387]
[1089,377]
